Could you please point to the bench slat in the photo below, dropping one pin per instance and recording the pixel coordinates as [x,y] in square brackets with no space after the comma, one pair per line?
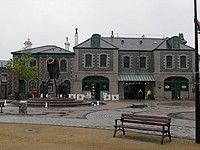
[141,128]
[146,116]
[146,122]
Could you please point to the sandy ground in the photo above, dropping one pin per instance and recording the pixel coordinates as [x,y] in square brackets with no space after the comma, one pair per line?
[46,137]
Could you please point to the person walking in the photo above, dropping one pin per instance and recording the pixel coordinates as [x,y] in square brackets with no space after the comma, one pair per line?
[148,94]
[140,94]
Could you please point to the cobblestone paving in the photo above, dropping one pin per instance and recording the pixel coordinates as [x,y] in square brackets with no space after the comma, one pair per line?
[103,116]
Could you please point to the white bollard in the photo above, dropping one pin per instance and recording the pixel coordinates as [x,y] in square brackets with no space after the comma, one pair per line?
[5,103]
[97,103]
[46,105]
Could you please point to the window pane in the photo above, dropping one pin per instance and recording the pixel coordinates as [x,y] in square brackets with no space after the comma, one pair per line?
[103,61]
[88,60]
[169,61]
[183,61]
[32,63]
[126,62]
[63,66]
[142,62]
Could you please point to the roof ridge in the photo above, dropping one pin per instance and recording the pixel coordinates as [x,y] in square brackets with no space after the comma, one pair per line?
[135,38]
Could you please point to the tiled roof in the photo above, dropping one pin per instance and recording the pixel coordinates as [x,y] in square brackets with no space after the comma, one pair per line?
[145,44]
[133,44]
[103,44]
[44,49]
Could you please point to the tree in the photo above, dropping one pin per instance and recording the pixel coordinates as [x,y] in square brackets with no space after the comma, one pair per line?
[22,69]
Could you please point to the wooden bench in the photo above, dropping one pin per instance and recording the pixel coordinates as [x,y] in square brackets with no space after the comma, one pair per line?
[2,105]
[144,122]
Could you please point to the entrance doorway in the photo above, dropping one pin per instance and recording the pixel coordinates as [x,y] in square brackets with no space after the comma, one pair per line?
[95,85]
[131,89]
[176,85]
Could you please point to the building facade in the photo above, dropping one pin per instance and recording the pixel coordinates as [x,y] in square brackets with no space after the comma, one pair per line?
[5,80]
[117,65]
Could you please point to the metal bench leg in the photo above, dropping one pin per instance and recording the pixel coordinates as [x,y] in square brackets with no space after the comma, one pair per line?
[169,135]
[163,134]
[115,132]
[162,137]
[123,131]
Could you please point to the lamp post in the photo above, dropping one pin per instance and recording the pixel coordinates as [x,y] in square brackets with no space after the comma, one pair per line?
[197,103]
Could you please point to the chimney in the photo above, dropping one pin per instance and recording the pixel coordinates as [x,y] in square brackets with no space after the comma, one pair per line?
[181,36]
[28,44]
[76,37]
[67,44]
[112,34]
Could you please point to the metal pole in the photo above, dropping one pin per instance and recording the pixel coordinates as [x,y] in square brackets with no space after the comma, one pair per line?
[197,103]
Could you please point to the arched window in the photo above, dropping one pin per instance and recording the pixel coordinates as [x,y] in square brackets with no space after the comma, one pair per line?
[63,65]
[88,60]
[49,61]
[143,62]
[126,62]
[32,63]
[103,60]
[169,61]
[183,62]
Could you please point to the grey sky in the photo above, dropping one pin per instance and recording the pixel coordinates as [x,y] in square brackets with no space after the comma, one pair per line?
[50,21]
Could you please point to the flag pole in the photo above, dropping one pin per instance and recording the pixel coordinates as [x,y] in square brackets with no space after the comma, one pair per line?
[197,103]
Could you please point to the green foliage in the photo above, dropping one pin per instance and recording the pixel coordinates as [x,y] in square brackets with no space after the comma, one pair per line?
[20,66]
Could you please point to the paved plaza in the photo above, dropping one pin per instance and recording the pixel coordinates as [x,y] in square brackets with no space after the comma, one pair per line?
[103,116]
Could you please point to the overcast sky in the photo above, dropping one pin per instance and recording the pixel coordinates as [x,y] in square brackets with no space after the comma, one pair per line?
[48,22]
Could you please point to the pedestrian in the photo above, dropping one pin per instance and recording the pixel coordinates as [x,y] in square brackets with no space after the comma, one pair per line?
[140,94]
[149,94]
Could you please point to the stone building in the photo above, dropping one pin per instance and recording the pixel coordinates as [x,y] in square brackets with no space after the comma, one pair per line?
[119,65]
[5,80]
[43,56]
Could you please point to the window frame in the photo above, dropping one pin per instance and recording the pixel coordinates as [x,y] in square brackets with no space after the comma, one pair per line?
[145,63]
[65,65]
[180,63]
[105,61]
[167,62]
[85,60]
[126,63]
[32,61]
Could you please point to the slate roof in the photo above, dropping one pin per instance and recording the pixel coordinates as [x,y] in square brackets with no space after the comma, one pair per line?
[3,63]
[132,44]
[103,44]
[142,44]
[47,49]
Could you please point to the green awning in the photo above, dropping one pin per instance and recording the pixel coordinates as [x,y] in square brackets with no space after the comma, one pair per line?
[131,77]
